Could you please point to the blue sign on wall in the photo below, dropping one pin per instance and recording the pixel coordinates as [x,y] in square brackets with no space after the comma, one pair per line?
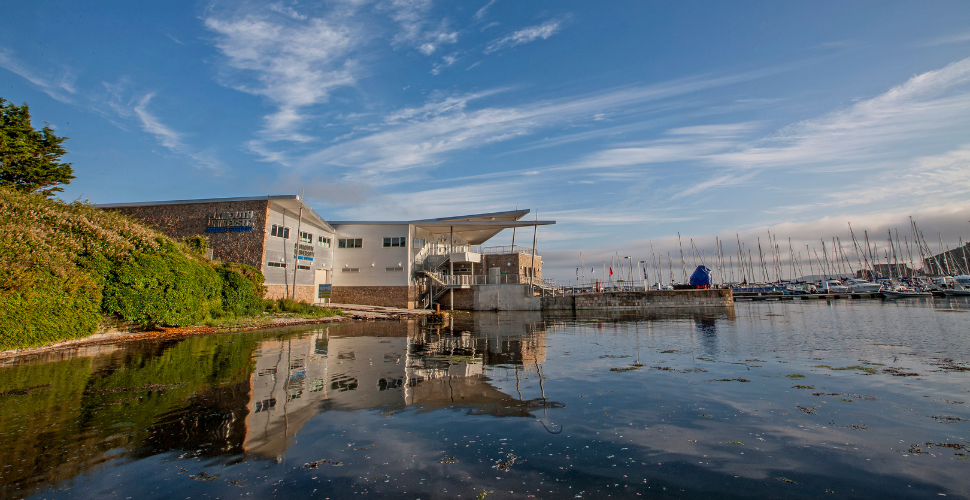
[231,229]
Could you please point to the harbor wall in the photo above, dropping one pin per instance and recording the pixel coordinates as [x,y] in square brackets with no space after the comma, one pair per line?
[505,298]
[631,301]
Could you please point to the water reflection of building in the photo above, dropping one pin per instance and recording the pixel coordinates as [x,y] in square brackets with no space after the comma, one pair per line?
[388,367]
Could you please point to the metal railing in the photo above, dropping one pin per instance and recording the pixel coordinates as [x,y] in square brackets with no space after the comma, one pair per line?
[506,250]
[489,279]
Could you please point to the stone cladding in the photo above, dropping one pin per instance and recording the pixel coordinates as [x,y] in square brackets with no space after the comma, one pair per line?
[387,296]
[304,293]
[513,263]
[191,219]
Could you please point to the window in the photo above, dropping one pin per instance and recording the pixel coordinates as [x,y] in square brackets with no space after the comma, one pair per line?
[395,242]
[280,232]
[350,243]
[276,264]
[350,270]
[304,268]
[306,237]
[397,269]
[323,242]
[418,242]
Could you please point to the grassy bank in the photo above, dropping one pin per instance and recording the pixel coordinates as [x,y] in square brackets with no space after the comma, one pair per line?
[65,267]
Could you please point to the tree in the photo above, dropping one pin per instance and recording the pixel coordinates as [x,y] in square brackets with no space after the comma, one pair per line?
[30,160]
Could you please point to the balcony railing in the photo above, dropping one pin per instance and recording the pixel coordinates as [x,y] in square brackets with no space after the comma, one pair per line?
[506,250]
[491,279]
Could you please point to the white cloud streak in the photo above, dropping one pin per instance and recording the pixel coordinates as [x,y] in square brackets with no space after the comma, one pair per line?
[421,137]
[168,137]
[480,13]
[297,61]
[525,35]
[411,15]
[59,87]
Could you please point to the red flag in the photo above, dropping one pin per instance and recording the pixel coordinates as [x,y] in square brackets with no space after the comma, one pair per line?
[611,270]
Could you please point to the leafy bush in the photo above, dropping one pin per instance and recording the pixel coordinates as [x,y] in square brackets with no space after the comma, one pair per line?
[304,308]
[242,290]
[166,288]
[50,309]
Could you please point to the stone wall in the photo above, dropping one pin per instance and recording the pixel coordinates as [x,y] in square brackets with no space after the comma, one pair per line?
[513,263]
[191,219]
[303,293]
[653,299]
[387,296]
[505,298]
[464,300]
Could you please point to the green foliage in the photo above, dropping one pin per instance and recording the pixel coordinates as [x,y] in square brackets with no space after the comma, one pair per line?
[166,288]
[64,266]
[303,308]
[30,160]
[197,244]
[242,290]
[49,309]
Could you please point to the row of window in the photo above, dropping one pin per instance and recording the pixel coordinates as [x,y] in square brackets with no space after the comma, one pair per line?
[284,232]
[280,232]
[283,265]
[323,241]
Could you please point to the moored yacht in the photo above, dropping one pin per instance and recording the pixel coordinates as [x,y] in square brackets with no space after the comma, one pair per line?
[856,285]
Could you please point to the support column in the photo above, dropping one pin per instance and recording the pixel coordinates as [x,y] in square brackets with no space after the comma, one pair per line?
[451,267]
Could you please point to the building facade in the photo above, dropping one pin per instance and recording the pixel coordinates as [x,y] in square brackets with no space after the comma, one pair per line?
[407,264]
[279,235]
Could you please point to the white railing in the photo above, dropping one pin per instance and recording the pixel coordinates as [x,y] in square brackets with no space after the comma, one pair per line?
[506,250]
[490,279]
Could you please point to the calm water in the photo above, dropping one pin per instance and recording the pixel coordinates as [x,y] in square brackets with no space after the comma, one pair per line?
[842,399]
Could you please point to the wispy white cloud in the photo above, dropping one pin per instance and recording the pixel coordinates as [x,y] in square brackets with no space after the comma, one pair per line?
[446,61]
[422,137]
[480,13]
[525,35]
[287,11]
[296,61]
[168,137]
[946,40]
[416,29]
[59,86]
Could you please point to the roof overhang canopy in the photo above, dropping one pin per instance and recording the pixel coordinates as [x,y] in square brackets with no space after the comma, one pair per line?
[475,232]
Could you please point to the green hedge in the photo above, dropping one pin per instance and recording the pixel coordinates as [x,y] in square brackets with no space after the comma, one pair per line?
[242,290]
[50,309]
[166,288]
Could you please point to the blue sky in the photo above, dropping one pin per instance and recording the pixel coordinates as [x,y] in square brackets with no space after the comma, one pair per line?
[626,122]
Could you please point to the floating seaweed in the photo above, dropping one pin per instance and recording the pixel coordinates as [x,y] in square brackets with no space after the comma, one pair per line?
[203,476]
[318,463]
[504,465]
[948,419]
